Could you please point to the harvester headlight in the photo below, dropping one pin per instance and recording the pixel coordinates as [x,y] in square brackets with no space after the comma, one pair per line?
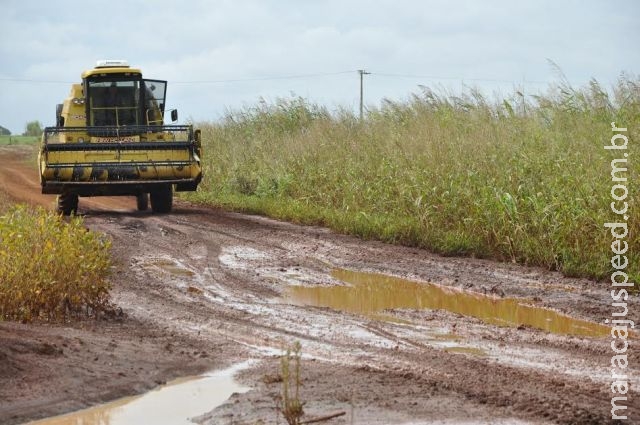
[78,101]
[80,139]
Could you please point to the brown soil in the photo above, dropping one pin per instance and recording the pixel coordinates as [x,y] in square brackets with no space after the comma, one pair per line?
[202,289]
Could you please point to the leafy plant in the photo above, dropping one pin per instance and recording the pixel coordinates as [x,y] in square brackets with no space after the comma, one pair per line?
[51,269]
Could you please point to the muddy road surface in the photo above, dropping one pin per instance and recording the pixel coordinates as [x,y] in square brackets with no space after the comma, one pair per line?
[389,335]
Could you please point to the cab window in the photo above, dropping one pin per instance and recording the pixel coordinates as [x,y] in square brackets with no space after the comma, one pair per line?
[113,102]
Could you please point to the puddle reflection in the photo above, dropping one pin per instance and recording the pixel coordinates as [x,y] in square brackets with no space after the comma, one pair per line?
[171,404]
[370,293]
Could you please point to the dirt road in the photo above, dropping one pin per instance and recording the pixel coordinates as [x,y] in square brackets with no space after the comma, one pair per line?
[203,289]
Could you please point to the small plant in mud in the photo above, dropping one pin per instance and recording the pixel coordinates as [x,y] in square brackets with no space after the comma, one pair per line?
[50,268]
[289,403]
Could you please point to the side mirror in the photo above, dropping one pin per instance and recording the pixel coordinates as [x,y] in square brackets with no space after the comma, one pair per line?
[174,115]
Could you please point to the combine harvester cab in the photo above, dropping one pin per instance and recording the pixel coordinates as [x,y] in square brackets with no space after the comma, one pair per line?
[110,139]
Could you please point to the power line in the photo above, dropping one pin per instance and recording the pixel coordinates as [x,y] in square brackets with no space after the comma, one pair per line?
[28,80]
[283,77]
[233,80]
[300,76]
[433,77]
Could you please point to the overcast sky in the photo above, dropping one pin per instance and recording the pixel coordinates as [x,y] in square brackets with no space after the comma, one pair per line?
[211,50]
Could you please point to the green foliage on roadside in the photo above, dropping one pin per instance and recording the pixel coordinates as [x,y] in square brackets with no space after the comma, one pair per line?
[51,269]
[18,140]
[33,128]
[526,182]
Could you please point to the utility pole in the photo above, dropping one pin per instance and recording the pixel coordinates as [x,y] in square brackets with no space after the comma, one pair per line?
[524,99]
[362,73]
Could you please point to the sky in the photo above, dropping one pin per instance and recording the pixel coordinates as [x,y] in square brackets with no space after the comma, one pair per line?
[221,56]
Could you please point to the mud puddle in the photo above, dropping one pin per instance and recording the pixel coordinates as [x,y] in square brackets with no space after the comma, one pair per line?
[370,294]
[171,266]
[173,403]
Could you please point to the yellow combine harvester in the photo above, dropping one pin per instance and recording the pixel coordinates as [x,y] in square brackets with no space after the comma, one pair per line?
[110,139]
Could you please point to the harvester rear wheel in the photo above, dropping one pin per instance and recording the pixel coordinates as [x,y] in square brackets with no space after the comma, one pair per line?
[162,199]
[142,201]
[68,203]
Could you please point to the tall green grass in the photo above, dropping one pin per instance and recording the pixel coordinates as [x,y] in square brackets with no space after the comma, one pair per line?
[526,182]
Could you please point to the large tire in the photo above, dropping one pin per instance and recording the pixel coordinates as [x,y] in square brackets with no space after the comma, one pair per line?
[162,199]
[143,201]
[68,203]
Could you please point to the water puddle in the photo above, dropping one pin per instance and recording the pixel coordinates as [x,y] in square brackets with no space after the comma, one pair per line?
[171,404]
[371,293]
[172,267]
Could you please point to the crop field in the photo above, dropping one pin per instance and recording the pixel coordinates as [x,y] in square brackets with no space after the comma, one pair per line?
[50,269]
[459,175]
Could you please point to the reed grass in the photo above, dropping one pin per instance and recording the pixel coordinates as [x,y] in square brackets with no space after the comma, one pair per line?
[512,180]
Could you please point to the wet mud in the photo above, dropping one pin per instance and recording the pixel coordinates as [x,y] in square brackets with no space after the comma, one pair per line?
[389,334]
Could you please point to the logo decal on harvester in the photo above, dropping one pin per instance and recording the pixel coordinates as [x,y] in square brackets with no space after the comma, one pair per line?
[113,139]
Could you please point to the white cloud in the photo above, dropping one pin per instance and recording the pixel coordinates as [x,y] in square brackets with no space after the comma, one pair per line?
[228,40]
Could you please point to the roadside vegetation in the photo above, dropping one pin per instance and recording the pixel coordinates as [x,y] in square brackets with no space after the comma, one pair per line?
[525,182]
[19,140]
[50,269]
[31,135]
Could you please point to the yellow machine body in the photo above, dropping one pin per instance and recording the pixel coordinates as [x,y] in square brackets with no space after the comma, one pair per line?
[110,139]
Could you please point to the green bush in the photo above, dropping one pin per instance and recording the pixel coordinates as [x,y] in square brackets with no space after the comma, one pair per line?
[459,175]
[51,269]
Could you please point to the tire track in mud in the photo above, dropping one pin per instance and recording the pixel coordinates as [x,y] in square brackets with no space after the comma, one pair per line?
[220,280]
[265,325]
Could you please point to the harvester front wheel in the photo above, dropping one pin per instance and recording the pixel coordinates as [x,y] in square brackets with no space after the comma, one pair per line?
[162,199]
[143,201]
[68,203]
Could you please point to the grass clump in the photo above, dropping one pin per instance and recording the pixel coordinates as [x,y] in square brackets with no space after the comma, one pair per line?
[512,180]
[51,269]
[289,404]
